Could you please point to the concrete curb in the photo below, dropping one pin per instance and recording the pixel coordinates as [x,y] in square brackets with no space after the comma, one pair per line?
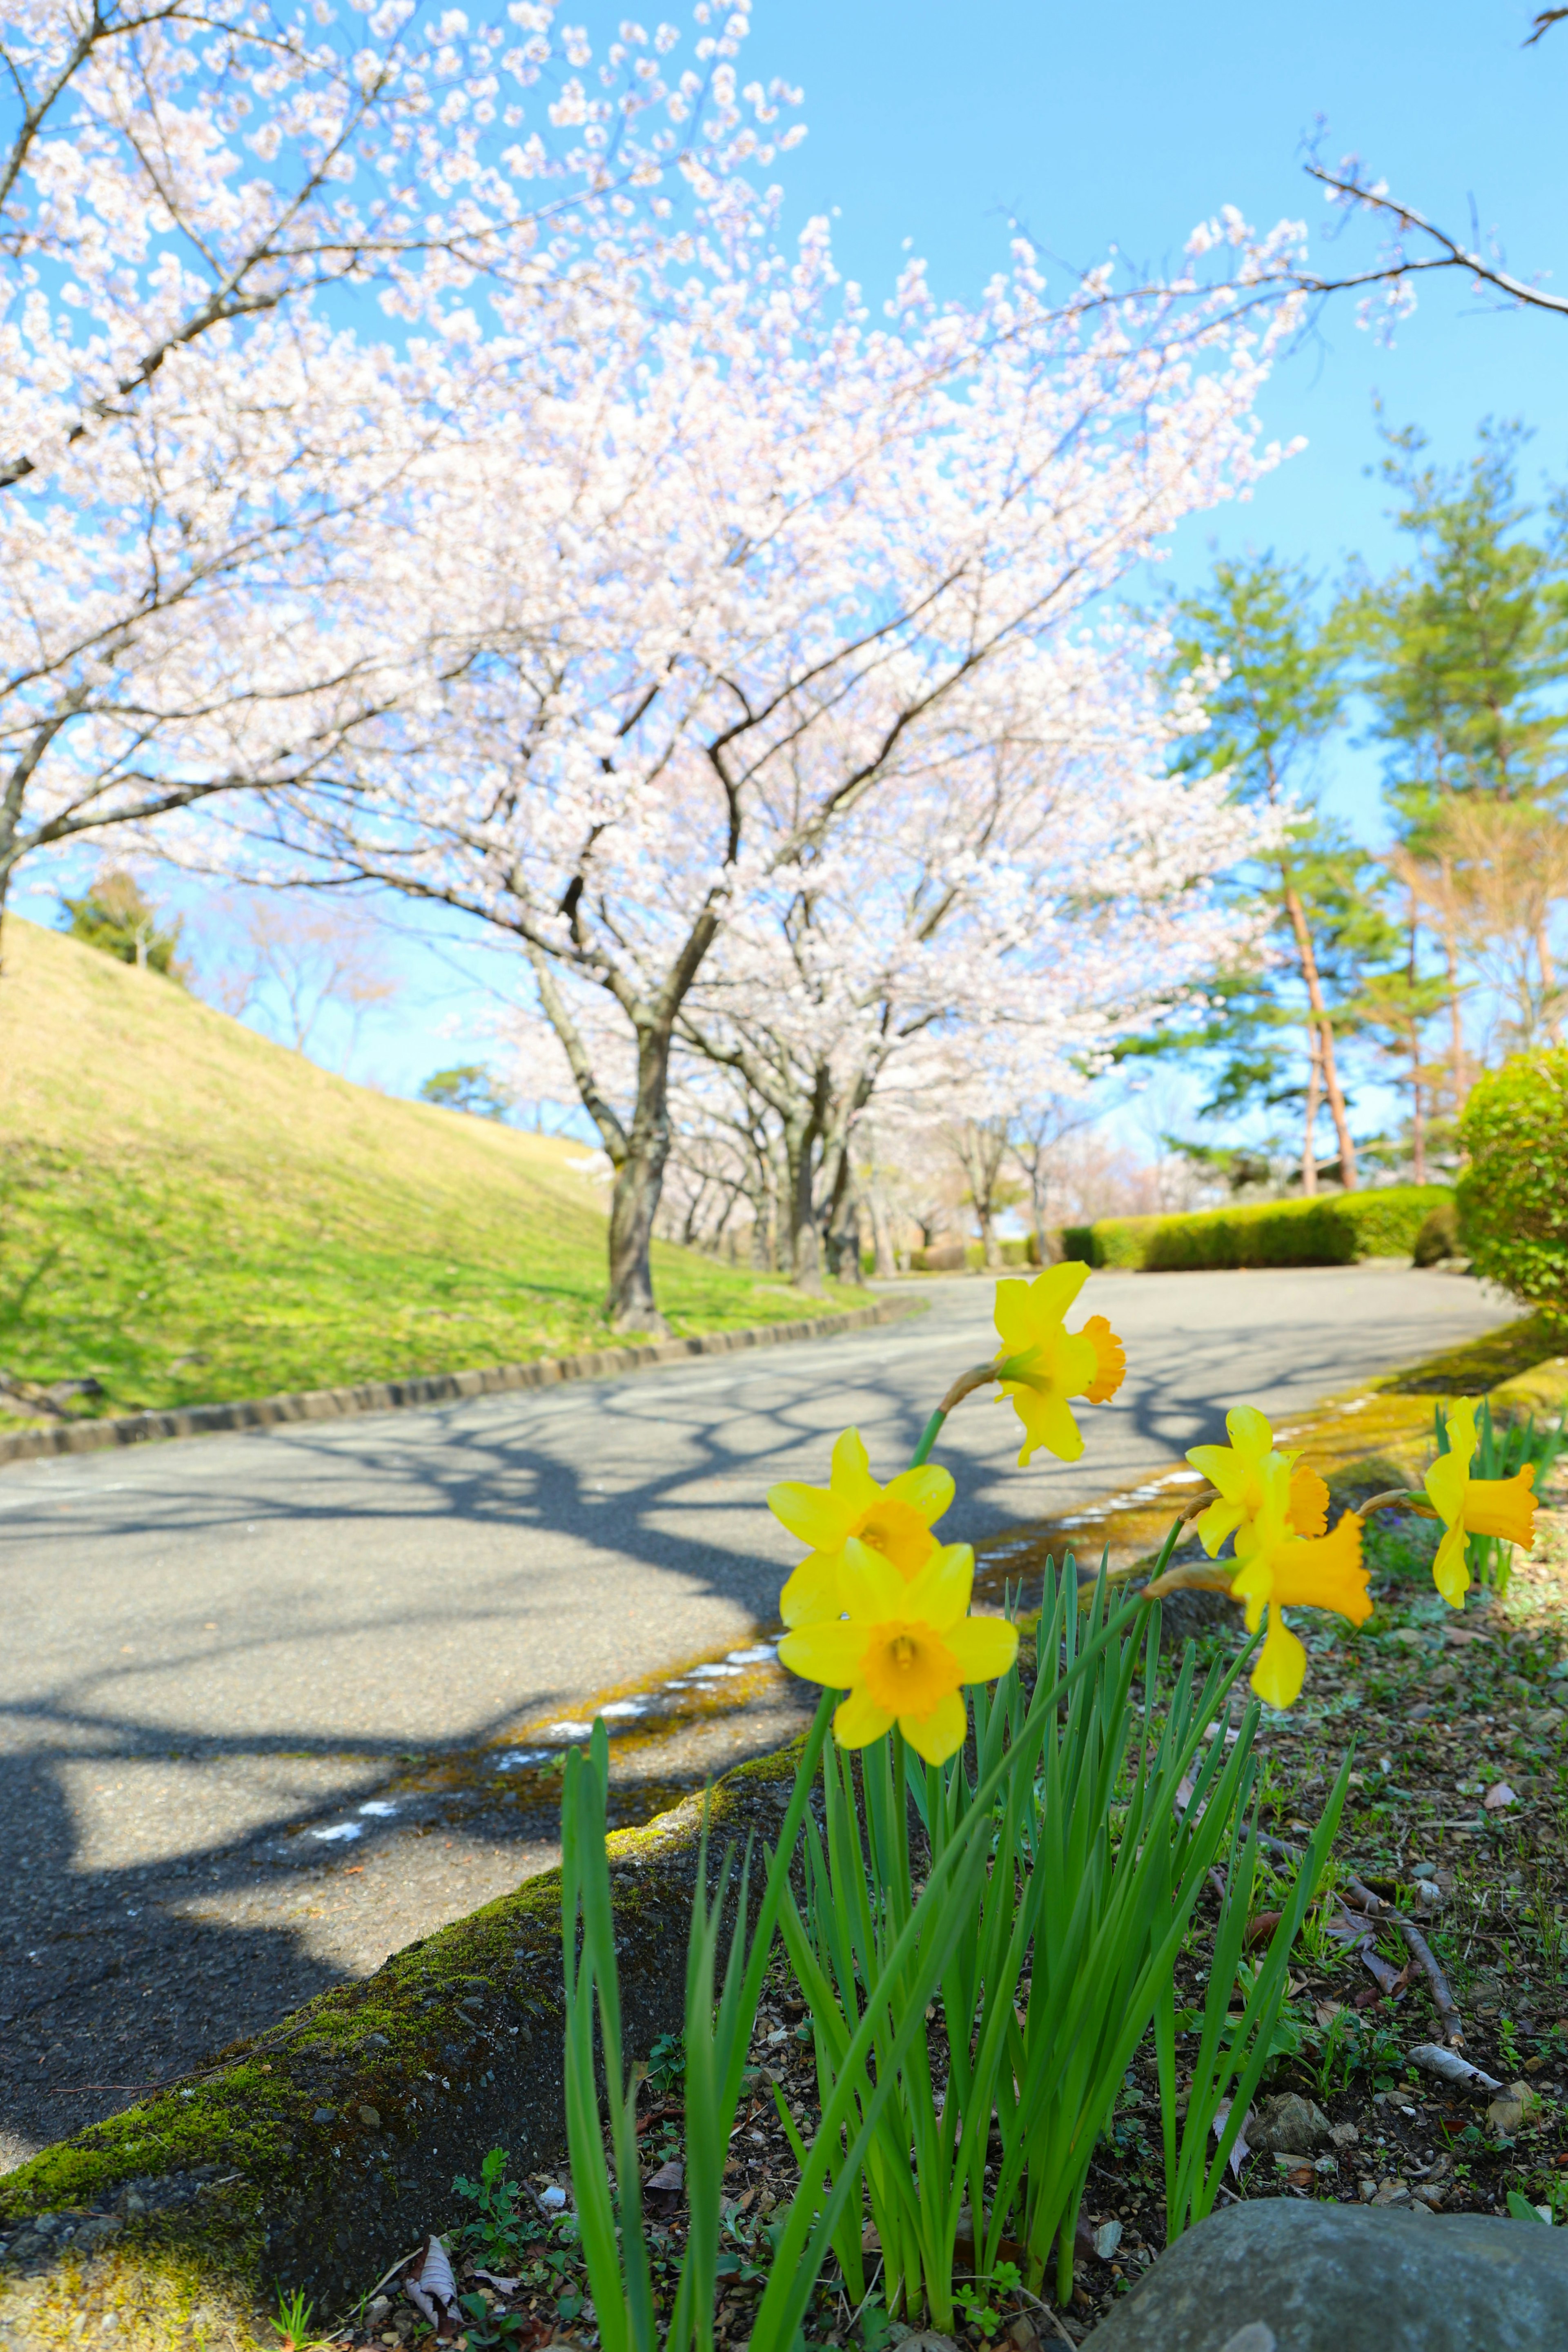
[436,1388]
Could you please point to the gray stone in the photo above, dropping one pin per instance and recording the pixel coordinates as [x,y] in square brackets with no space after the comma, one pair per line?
[1288,2125]
[1348,2278]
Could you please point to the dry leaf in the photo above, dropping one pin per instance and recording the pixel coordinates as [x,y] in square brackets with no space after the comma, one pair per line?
[502,2285]
[670,2178]
[1496,1799]
[433,2291]
[1240,2149]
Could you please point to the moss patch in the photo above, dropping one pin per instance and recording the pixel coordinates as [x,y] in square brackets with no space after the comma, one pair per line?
[1481,1364]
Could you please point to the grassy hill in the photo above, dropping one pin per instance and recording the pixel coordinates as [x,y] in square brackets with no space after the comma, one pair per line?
[189,1213]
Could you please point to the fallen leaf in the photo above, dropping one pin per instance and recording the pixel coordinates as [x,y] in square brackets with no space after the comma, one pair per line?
[502,2285]
[1107,2238]
[1496,1799]
[1261,1926]
[670,2178]
[1239,2150]
[433,2291]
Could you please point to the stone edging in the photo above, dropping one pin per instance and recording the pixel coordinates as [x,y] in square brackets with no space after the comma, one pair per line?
[324,2149]
[436,1388]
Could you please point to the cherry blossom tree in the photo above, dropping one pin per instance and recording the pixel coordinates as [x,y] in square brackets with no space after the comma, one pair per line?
[197,458]
[749,585]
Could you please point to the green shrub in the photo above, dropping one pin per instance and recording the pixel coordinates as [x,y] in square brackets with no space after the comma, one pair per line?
[1335,1231]
[1513,1197]
[1439,1236]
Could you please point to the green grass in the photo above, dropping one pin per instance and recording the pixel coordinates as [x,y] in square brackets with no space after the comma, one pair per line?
[189,1214]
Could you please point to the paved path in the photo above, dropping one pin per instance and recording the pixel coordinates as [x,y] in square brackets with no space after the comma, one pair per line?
[215,1646]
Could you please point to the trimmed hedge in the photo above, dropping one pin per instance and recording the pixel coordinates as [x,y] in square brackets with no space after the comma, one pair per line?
[1335,1231]
[1513,1197]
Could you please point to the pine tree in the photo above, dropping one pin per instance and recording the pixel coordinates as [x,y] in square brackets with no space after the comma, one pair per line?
[1463,653]
[1272,691]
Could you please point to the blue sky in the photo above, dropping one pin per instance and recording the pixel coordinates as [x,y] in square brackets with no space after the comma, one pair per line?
[1089,127]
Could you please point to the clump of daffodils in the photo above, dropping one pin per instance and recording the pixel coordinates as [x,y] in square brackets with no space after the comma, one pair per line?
[880,1606]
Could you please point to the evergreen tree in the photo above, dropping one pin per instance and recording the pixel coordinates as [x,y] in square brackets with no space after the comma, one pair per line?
[1464,654]
[1272,691]
[118,918]
[470,1086]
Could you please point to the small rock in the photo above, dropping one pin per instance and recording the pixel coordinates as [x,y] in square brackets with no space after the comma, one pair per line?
[1509,2110]
[325,2116]
[370,2115]
[1289,2126]
[1343,2135]
[1107,2238]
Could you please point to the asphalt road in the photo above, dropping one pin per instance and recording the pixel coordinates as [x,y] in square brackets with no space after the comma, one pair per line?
[217,1650]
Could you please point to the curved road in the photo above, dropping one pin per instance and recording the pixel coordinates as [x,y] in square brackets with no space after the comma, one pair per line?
[216,1648]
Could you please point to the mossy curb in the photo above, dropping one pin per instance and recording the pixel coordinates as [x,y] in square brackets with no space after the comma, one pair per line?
[315,2155]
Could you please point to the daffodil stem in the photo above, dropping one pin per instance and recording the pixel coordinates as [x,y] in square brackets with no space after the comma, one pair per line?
[964,1385]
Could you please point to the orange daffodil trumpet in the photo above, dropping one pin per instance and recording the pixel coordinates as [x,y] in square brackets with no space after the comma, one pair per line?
[903,1650]
[1041,1365]
[1277,1511]
[1281,1569]
[894,1520]
[1474,1507]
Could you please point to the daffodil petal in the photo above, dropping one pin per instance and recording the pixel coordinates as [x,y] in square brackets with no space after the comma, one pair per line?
[939,1734]
[1024,1307]
[829,1652]
[940,1593]
[858,1721]
[1450,1571]
[1281,1666]
[1221,1519]
[1249,1432]
[869,1585]
[1209,1461]
[810,1593]
[1048,1420]
[817,1516]
[1445,1482]
[851,1479]
[983,1646]
[929,1490]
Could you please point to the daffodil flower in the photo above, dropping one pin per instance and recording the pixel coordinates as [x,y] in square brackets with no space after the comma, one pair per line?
[1041,1364]
[1280,1569]
[1474,1507]
[1239,1473]
[894,1520]
[904,1650]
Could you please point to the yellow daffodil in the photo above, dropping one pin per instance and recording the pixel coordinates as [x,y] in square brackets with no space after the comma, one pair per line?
[894,1521]
[904,1650]
[1239,1472]
[1474,1507]
[1040,1364]
[1280,1569]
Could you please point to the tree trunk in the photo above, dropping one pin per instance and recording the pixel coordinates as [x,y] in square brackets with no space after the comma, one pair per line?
[805,1236]
[881,1234]
[1417,1110]
[1309,1147]
[1349,1176]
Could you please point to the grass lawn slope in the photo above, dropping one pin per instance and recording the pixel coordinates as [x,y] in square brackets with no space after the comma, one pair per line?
[189,1214]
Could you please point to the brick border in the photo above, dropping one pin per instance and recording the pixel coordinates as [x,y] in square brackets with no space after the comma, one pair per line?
[435,1388]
